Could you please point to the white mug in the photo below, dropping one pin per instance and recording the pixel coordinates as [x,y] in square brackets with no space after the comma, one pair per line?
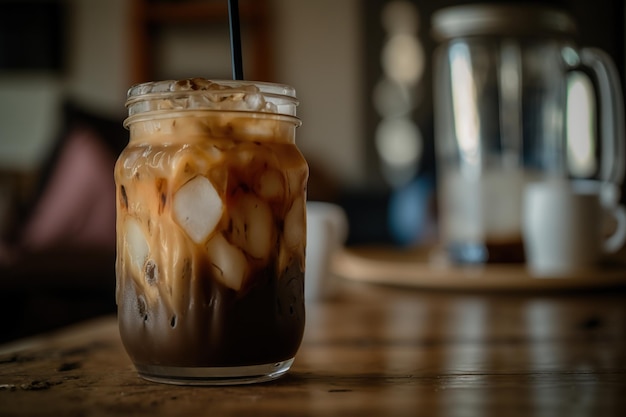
[564,225]
[327,231]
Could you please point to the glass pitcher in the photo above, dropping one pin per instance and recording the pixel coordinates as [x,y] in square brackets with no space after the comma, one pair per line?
[502,82]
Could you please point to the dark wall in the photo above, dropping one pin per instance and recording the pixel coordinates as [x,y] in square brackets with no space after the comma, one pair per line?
[600,25]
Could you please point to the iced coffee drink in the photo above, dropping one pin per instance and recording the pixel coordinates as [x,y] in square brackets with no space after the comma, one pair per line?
[211,231]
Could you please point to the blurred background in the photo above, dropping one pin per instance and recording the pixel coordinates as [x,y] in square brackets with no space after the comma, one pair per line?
[362,70]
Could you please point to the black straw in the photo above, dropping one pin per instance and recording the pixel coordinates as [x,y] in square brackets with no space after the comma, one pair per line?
[235,39]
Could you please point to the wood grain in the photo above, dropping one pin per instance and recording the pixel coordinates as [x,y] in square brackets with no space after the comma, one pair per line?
[373,351]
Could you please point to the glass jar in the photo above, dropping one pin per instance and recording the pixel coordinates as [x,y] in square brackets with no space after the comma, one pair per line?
[211,231]
[505,116]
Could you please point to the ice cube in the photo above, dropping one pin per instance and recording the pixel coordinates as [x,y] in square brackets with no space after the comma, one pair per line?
[260,128]
[197,208]
[254,102]
[228,262]
[184,161]
[295,225]
[253,226]
[270,108]
[192,84]
[284,258]
[235,102]
[296,180]
[245,155]
[270,185]
[136,243]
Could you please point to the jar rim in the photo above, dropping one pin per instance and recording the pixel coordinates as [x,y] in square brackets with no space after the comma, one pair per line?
[166,87]
[200,94]
[501,19]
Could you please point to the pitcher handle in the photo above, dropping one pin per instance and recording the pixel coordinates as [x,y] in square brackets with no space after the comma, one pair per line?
[611,113]
[616,241]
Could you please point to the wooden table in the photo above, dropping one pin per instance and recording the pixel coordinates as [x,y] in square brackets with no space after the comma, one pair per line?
[373,351]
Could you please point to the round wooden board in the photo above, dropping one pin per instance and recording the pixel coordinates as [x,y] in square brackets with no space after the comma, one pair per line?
[411,268]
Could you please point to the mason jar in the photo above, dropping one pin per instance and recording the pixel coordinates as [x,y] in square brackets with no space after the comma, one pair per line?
[211,231]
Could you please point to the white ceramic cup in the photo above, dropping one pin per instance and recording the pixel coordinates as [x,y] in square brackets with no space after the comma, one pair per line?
[327,231]
[564,225]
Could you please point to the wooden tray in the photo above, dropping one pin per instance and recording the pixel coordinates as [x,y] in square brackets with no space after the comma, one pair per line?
[426,269]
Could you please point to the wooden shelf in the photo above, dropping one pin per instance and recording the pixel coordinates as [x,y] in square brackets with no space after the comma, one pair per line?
[198,11]
[149,16]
